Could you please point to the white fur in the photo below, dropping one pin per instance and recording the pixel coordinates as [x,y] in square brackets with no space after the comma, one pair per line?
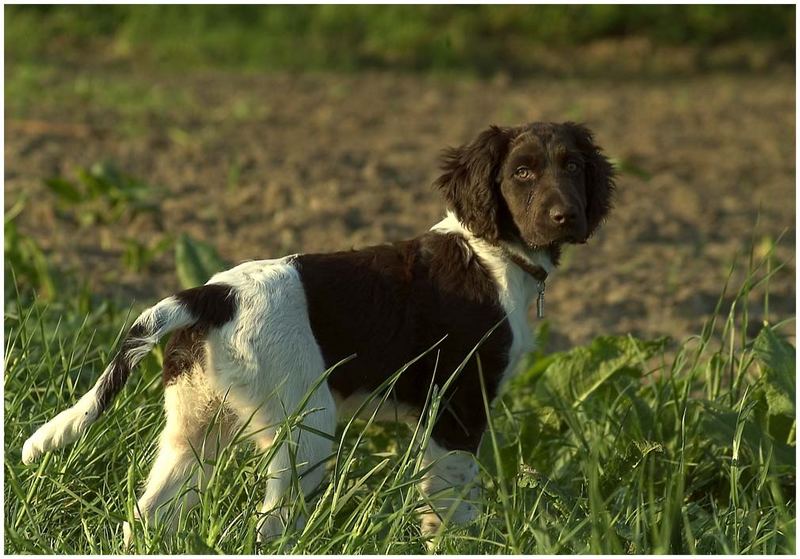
[164,317]
[268,362]
[450,486]
[190,406]
[63,428]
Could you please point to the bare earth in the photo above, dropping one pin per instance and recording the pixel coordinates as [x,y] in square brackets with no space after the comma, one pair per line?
[263,166]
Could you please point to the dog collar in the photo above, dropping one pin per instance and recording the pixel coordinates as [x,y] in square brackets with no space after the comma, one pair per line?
[536,272]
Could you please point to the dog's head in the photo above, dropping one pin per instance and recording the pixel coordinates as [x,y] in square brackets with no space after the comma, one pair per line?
[541,184]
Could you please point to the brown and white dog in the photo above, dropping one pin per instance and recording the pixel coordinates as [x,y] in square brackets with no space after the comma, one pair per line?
[261,335]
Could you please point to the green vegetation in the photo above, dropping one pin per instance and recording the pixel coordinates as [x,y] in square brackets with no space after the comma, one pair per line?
[619,446]
[472,38]
[102,194]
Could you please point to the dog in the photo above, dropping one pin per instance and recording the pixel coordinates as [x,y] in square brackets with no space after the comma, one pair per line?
[259,337]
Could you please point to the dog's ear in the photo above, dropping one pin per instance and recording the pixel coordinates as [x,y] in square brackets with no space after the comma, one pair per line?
[599,177]
[469,181]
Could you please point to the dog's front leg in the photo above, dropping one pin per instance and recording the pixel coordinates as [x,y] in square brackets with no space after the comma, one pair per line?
[451,488]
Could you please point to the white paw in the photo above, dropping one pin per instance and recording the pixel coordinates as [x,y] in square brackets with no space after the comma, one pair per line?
[430,527]
[270,527]
[127,536]
[30,451]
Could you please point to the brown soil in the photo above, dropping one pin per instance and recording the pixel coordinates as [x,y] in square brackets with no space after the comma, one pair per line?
[262,166]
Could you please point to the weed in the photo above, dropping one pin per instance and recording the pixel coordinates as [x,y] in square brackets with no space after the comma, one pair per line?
[102,194]
[138,255]
[26,266]
[196,261]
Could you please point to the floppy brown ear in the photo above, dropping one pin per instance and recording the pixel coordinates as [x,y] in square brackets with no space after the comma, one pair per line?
[468,183]
[599,178]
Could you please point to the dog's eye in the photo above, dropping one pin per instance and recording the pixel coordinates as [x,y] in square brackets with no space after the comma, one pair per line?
[572,167]
[524,173]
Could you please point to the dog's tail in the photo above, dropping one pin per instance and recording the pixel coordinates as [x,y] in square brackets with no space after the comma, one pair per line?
[210,305]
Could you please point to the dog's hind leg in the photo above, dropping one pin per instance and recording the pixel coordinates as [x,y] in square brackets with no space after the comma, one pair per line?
[270,366]
[187,449]
[293,435]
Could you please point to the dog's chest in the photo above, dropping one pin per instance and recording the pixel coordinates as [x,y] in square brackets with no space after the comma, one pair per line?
[516,291]
[522,342]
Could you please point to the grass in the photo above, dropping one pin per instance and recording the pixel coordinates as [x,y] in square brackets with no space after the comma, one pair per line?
[620,446]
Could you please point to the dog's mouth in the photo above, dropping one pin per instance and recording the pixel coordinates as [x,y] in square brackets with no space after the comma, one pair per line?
[573,240]
[555,243]
[543,247]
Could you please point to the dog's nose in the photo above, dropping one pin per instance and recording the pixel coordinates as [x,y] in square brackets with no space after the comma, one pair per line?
[562,215]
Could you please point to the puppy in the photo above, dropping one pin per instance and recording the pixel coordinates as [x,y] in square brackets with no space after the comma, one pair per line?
[258,338]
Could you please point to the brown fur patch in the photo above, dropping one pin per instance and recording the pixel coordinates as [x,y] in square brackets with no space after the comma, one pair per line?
[185,349]
[212,304]
[388,304]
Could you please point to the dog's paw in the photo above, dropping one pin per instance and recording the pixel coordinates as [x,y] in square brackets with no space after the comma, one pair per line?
[430,526]
[270,527]
[30,451]
[127,536]
[459,518]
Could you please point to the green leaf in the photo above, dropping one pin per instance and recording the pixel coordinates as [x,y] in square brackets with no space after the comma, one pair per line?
[558,497]
[577,374]
[109,174]
[777,357]
[65,190]
[721,424]
[619,466]
[506,453]
[196,261]
[95,185]
[197,546]
[138,255]
[28,262]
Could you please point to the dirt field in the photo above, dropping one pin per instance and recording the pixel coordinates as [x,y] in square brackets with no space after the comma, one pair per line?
[264,166]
